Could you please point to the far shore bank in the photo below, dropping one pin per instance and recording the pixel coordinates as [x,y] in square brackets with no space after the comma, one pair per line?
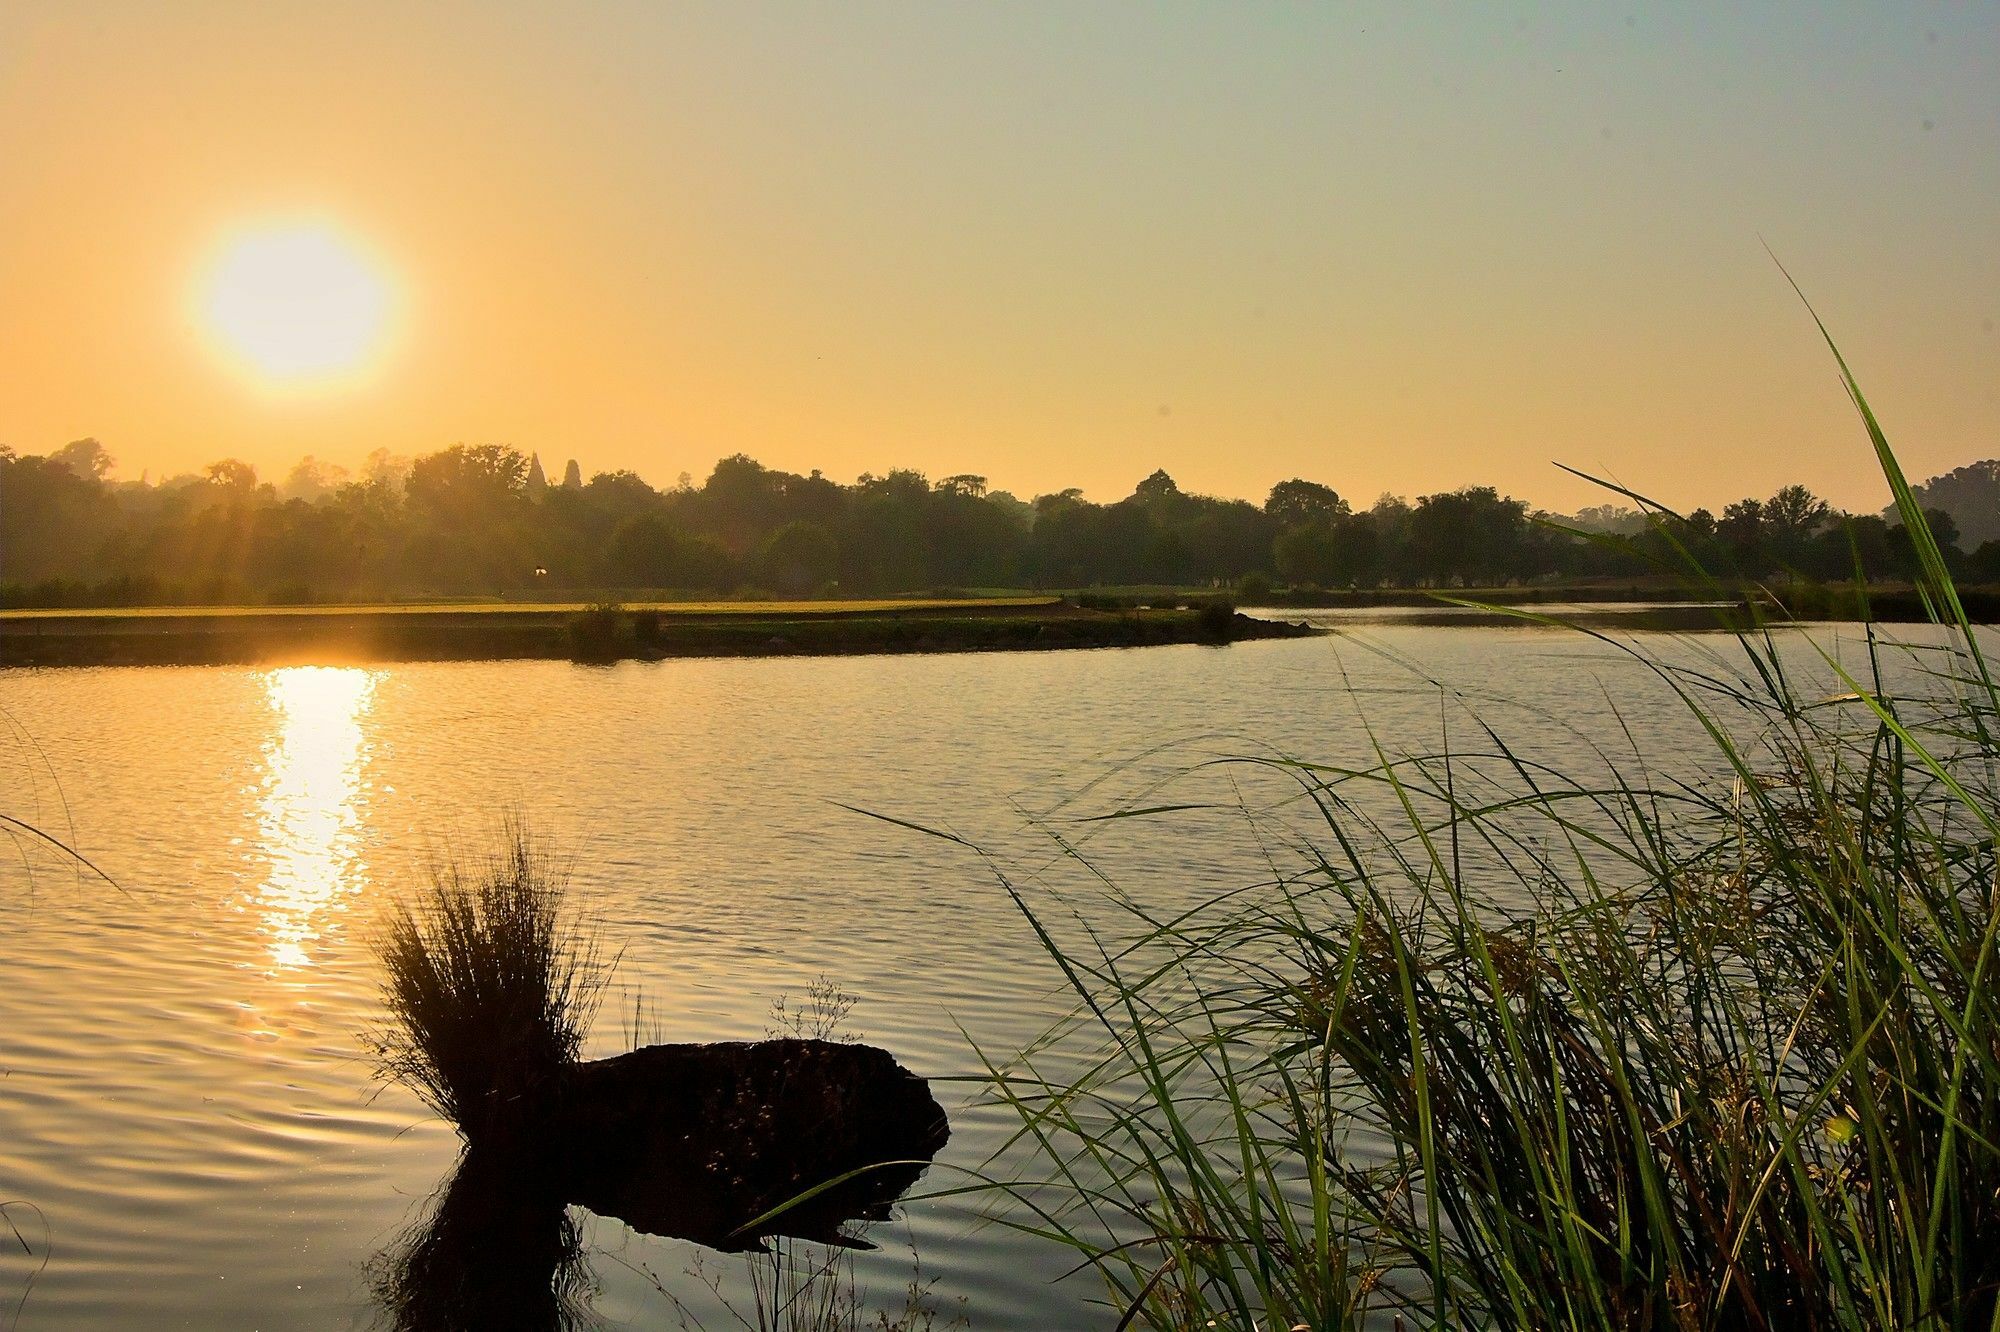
[1887,603]
[338,635]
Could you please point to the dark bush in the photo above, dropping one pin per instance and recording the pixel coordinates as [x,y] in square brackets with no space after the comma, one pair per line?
[597,634]
[1215,620]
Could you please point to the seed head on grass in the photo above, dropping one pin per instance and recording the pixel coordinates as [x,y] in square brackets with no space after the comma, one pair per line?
[490,986]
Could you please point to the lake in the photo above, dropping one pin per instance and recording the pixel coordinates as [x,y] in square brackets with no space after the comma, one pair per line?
[187,1103]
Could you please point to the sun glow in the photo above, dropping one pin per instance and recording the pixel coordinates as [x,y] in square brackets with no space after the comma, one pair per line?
[296,303]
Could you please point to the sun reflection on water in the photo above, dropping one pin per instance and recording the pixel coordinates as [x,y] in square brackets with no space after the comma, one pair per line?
[308,816]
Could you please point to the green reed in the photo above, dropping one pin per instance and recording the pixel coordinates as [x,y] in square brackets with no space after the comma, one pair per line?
[1736,1064]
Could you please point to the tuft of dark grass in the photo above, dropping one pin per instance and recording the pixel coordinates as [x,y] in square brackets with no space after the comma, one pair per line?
[490,986]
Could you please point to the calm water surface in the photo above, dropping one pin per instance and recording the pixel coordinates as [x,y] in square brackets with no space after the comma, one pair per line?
[185,1100]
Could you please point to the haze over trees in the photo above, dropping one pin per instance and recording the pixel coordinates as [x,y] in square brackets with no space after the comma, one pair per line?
[485,519]
[1971,495]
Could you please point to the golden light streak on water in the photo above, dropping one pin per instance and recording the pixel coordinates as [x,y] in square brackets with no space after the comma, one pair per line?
[307,815]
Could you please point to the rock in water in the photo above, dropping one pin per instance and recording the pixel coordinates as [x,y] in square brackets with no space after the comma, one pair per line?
[693,1141]
[701,1141]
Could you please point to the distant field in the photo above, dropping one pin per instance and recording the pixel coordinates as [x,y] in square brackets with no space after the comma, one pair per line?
[764,608]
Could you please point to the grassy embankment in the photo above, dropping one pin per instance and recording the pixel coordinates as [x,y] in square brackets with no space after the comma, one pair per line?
[1882,603]
[1731,1061]
[220,635]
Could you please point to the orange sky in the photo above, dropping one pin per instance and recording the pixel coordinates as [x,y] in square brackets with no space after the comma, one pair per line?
[1057,245]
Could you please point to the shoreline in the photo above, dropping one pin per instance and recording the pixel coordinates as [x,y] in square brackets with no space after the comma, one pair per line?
[1889,603]
[226,636]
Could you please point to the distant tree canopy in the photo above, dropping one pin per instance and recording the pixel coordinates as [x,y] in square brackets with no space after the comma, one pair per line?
[484,519]
[1296,503]
[1971,495]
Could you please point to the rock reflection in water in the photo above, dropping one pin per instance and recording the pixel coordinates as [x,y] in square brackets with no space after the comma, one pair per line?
[699,1142]
[498,1249]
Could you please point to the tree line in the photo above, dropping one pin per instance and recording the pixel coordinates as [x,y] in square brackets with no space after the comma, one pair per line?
[484,520]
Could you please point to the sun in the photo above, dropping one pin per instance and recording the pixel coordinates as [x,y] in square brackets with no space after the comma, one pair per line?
[296,303]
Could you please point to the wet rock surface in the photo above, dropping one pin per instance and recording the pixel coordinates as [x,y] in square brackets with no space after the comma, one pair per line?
[699,1141]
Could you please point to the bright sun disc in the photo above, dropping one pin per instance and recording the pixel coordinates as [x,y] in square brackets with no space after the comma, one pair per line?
[296,302]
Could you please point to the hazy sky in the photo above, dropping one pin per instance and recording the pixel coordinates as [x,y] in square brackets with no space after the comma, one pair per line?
[1387,247]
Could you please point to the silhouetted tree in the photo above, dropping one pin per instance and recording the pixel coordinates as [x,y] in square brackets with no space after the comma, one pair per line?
[1970,494]
[473,482]
[800,557]
[1468,536]
[1741,535]
[1305,556]
[1295,502]
[86,457]
[312,480]
[646,551]
[232,475]
[465,519]
[53,520]
[1791,519]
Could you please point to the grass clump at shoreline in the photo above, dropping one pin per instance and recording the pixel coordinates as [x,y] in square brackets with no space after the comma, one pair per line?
[490,988]
[599,634]
[1513,1048]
